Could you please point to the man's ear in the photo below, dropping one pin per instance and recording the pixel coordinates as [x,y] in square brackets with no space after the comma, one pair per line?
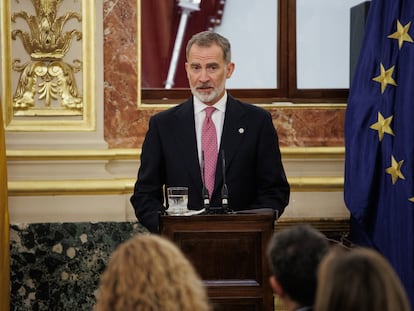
[230,69]
[277,289]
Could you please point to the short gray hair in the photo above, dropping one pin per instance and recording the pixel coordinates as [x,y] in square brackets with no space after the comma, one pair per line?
[206,39]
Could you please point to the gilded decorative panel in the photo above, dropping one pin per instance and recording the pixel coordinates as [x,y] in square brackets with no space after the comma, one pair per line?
[48,65]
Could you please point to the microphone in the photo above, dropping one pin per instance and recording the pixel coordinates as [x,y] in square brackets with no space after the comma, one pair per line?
[204,191]
[224,190]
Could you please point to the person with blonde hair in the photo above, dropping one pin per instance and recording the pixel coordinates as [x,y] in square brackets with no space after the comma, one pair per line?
[149,272]
[358,279]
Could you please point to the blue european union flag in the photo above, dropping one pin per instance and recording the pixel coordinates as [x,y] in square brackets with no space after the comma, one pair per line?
[379,138]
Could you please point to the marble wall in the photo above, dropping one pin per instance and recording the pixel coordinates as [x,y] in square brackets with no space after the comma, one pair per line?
[57,266]
[125,125]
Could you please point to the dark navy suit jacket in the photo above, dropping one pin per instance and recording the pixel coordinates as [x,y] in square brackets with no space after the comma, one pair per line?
[255,176]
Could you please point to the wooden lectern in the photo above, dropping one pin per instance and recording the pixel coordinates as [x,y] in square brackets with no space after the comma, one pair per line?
[229,253]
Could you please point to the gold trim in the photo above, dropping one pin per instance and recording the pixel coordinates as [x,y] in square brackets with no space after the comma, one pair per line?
[5,53]
[305,106]
[126,185]
[275,105]
[316,184]
[145,106]
[86,122]
[70,187]
[312,152]
[139,53]
[56,155]
[134,154]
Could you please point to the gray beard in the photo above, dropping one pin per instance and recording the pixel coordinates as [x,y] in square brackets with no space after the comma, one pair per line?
[206,98]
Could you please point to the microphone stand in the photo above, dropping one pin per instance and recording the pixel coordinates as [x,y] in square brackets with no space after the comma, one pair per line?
[224,190]
[224,208]
[206,200]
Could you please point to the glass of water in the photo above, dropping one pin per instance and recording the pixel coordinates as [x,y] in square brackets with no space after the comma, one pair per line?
[177,200]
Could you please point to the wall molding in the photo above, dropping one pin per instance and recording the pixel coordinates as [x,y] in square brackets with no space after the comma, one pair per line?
[115,184]
[134,153]
[70,185]
[126,185]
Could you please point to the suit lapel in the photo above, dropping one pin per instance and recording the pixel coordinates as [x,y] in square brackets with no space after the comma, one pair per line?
[233,129]
[184,131]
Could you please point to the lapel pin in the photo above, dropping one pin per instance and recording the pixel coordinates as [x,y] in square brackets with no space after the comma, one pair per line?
[241,130]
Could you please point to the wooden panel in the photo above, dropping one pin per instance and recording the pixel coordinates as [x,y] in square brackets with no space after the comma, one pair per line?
[229,252]
[237,304]
[224,255]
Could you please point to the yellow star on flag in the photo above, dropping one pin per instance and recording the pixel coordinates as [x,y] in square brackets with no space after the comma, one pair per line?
[401,34]
[382,126]
[395,170]
[385,77]
[411,199]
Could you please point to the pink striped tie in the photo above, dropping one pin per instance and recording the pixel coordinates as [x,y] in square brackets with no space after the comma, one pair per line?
[209,147]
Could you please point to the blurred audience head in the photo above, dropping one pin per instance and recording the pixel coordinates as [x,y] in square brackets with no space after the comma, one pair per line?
[358,279]
[294,255]
[148,272]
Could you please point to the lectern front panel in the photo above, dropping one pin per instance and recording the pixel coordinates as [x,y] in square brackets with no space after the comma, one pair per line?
[229,253]
[223,255]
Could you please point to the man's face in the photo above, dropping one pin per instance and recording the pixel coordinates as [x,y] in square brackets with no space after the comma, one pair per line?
[207,73]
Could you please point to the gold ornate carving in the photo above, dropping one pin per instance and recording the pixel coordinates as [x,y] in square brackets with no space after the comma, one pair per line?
[50,73]
[46,74]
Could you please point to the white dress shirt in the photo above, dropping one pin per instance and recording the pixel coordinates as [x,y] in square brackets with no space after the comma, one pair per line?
[217,117]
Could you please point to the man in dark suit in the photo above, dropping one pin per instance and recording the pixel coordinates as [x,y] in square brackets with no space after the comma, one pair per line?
[172,152]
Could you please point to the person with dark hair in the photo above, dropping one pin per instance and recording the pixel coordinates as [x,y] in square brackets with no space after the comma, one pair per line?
[294,255]
[221,149]
[359,279]
[150,273]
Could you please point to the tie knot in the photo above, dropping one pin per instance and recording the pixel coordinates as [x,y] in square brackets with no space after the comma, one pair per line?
[209,111]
